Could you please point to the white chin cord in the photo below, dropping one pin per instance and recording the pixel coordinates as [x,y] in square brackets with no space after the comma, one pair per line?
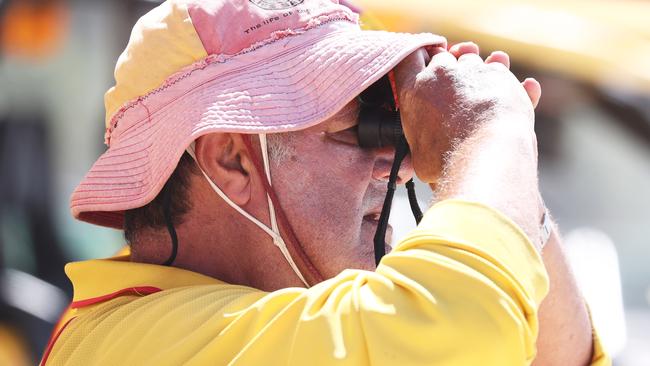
[273,231]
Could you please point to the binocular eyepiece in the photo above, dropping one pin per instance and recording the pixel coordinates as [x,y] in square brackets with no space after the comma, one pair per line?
[379,120]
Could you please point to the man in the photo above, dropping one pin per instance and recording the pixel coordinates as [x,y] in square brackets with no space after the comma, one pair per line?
[233,167]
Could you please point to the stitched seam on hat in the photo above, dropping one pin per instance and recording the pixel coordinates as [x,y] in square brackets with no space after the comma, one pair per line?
[222,58]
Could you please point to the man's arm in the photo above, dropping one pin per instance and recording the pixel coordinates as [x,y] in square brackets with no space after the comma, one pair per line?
[565,336]
[483,168]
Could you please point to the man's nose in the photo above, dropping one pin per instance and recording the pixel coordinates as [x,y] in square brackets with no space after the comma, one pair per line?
[384,163]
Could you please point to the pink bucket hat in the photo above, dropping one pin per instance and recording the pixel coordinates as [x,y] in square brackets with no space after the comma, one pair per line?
[194,67]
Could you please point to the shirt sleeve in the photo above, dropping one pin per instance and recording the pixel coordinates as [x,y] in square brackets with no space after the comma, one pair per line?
[462,289]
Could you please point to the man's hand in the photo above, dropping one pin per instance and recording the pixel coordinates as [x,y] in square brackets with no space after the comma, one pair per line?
[471,122]
[444,96]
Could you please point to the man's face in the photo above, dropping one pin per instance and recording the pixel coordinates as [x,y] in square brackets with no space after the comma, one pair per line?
[332,191]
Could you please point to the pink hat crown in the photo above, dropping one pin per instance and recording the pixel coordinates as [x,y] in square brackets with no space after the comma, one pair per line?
[228,27]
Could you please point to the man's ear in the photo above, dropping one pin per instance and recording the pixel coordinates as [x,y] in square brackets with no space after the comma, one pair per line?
[225,159]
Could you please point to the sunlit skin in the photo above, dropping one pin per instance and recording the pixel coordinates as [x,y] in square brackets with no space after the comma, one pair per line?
[338,223]
[331,190]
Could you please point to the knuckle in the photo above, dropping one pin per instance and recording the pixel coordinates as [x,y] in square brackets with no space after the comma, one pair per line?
[498,66]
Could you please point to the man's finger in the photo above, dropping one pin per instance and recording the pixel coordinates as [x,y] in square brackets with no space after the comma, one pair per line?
[434,50]
[470,58]
[500,57]
[462,48]
[406,71]
[533,89]
[416,61]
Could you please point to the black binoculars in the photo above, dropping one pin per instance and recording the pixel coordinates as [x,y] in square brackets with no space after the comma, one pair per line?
[379,120]
[380,126]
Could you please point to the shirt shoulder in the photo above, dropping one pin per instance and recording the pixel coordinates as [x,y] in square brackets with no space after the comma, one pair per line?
[147,328]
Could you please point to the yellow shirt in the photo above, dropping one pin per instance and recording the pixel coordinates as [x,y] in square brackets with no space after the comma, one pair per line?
[461,289]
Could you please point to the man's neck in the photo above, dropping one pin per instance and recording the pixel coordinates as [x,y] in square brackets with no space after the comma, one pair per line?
[234,256]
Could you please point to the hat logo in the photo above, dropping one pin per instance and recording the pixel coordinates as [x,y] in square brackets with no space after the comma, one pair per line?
[276,4]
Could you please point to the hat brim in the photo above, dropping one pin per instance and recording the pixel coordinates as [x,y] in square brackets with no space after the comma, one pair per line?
[290,84]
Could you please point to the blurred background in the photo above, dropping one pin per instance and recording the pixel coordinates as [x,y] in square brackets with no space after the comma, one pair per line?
[593,125]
